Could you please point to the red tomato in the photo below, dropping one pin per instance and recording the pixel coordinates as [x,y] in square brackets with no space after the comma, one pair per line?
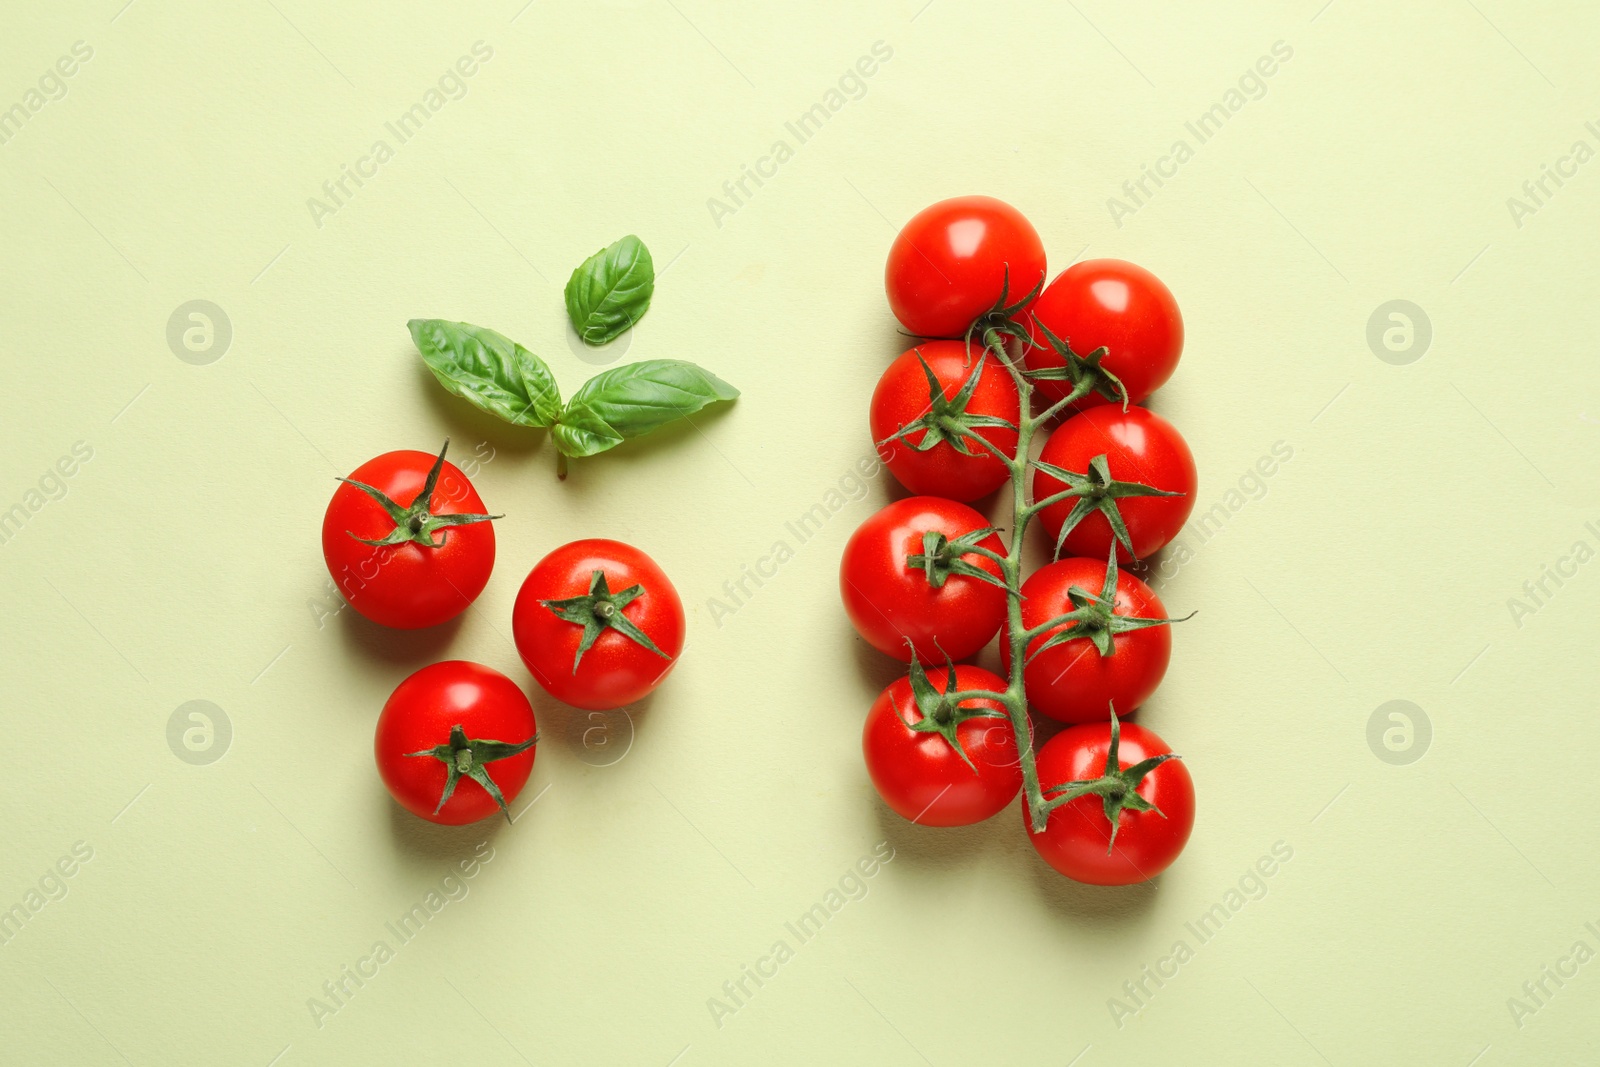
[436,550]
[1072,679]
[1118,305]
[453,736]
[1140,449]
[919,773]
[970,393]
[1131,845]
[598,624]
[955,260]
[892,599]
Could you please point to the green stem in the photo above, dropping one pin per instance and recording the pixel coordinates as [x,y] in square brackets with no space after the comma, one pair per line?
[1015,698]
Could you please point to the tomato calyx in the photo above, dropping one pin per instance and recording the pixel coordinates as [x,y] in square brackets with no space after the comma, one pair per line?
[1095,490]
[415,522]
[947,418]
[598,609]
[1117,788]
[1094,617]
[941,556]
[940,714]
[468,758]
[1004,320]
[1086,373]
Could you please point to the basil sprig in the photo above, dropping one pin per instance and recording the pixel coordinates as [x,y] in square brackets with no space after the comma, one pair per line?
[510,382]
[610,291]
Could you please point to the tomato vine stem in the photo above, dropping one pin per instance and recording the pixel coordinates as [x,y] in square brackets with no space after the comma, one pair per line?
[1014,699]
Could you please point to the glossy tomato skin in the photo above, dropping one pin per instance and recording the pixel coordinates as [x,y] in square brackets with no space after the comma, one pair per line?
[406,585]
[418,716]
[1113,303]
[1072,682]
[949,264]
[1139,446]
[616,670]
[889,602]
[1074,839]
[902,398]
[925,780]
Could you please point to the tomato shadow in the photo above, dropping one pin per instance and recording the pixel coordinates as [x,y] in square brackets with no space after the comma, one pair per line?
[598,739]
[427,849]
[878,669]
[937,851]
[385,645]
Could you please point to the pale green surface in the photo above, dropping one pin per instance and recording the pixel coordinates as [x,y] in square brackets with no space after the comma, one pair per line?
[184,562]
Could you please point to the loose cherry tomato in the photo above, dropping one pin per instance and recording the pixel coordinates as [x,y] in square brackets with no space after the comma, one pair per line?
[910,574]
[1110,303]
[598,624]
[406,540]
[1120,458]
[910,742]
[926,409]
[455,742]
[1114,651]
[955,260]
[1135,826]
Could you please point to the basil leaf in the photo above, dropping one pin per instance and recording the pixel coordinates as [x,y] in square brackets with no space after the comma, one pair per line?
[633,400]
[493,372]
[582,433]
[611,291]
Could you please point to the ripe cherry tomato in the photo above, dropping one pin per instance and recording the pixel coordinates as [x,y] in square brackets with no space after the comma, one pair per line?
[1140,449]
[598,624]
[953,261]
[406,540]
[1078,840]
[919,773]
[455,742]
[1112,303]
[923,427]
[1072,679]
[909,573]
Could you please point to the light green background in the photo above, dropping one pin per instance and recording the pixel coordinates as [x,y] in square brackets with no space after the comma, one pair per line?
[183,562]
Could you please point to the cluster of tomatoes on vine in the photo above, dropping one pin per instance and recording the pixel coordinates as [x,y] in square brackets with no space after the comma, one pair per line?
[597,623]
[929,580]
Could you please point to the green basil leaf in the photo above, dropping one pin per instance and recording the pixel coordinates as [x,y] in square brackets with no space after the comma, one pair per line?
[611,291]
[583,433]
[494,372]
[643,396]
